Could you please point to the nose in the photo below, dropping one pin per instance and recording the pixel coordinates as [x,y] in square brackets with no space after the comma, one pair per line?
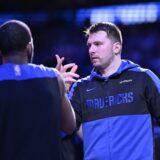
[92,49]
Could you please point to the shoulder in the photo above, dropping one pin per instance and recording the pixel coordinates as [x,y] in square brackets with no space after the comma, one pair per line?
[43,70]
[151,79]
[81,82]
[144,71]
[84,79]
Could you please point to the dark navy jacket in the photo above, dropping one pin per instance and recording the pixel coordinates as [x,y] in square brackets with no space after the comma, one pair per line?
[29,113]
[116,113]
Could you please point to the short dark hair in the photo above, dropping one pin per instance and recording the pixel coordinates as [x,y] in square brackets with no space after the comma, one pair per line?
[14,37]
[111,29]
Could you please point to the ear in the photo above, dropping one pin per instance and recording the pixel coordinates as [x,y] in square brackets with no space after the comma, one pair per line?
[117,48]
[29,48]
[30,51]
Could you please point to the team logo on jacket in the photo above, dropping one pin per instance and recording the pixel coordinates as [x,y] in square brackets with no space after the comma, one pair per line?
[125,81]
[90,89]
[17,70]
[108,101]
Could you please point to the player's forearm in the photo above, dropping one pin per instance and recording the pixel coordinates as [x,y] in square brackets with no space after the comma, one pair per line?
[68,116]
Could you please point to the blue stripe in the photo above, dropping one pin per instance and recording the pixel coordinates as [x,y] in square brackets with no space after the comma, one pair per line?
[126,137]
[154,78]
[70,94]
[157,131]
[25,71]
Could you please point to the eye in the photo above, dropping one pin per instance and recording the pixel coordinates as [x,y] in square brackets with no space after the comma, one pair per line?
[88,45]
[97,43]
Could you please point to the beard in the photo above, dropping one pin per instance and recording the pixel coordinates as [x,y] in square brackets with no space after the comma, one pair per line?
[101,64]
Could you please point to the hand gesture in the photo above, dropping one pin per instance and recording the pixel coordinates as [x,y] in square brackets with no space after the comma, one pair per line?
[68,76]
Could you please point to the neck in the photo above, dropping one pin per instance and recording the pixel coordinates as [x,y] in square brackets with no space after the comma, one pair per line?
[15,59]
[110,69]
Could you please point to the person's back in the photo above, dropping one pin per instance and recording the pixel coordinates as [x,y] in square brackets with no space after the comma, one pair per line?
[29,109]
[33,103]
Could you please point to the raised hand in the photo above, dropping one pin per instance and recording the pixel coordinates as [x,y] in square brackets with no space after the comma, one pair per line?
[68,76]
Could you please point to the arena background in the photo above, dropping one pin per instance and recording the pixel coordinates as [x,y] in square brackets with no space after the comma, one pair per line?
[57,27]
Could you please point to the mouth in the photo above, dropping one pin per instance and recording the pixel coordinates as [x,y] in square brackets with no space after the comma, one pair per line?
[94,59]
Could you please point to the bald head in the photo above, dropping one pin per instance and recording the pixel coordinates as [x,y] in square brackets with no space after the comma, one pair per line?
[14,37]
